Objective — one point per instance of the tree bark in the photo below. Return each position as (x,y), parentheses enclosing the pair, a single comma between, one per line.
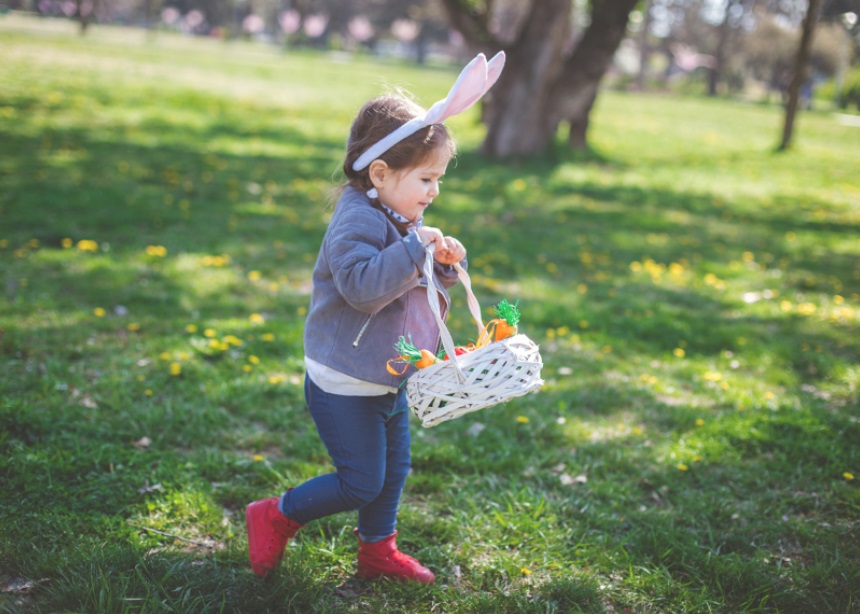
(519,115)
(716,72)
(799,75)
(577,90)
(543,84)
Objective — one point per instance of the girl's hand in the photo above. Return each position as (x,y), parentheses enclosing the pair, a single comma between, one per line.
(448,250)
(452,253)
(430,235)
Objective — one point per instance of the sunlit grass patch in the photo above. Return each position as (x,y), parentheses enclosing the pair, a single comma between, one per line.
(695,297)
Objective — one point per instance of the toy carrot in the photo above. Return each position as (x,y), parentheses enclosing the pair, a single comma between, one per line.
(409,354)
(502,327)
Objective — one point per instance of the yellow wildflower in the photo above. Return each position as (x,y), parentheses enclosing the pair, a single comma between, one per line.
(158,251)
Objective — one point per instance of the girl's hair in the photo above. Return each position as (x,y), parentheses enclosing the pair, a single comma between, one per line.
(380,117)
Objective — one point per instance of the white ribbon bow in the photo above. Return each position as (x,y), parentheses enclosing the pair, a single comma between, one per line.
(475,79)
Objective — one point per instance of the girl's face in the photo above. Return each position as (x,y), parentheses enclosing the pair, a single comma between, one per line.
(410,191)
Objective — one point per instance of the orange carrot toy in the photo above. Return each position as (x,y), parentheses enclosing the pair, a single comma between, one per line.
(502,327)
(409,354)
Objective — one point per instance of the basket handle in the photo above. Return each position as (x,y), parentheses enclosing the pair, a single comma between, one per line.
(433,300)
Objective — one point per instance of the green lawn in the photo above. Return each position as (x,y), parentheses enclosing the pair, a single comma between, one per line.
(696,297)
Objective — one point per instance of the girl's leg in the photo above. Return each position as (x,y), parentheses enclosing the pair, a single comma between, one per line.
(378,519)
(378,555)
(353,430)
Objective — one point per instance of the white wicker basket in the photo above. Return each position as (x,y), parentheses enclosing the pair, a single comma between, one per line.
(478,379)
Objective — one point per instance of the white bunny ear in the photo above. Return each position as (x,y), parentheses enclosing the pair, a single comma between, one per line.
(494,70)
(467,89)
(473,82)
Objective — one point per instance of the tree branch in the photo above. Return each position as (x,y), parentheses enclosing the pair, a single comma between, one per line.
(597,47)
(472,23)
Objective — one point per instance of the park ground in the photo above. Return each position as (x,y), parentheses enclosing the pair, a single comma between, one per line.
(695,294)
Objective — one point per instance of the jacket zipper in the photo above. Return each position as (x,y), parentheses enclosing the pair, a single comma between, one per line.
(361,331)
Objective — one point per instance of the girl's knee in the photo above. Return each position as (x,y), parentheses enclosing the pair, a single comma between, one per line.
(398,472)
(356,495)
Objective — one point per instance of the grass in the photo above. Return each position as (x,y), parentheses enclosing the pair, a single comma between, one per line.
(696,297)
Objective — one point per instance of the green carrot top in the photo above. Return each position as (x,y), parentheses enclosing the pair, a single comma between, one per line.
(509,313)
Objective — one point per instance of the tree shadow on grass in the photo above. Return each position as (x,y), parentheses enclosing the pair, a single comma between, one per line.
(266,212)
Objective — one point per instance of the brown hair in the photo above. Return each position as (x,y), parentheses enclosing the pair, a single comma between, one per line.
(380,117)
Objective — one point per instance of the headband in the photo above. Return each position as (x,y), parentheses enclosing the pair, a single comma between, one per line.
(476,78)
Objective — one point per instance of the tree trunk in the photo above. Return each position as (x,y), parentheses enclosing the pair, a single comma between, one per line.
(574,94)
(577,136)
(85,15)
(799,75)
(541,85)
(716,72)
(518,113)
(644,47)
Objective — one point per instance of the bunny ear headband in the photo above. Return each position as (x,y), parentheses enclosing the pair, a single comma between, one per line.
(477,77)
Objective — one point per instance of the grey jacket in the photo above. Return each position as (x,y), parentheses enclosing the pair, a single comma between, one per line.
(368,290)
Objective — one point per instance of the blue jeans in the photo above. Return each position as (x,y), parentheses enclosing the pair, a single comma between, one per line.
(368,441)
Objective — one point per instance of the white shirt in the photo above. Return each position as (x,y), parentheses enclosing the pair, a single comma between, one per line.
(335,382)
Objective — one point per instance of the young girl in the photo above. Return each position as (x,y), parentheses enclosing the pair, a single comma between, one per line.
(368,290)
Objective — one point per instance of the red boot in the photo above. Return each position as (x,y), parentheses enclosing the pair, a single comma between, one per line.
(383,559)
(268,533)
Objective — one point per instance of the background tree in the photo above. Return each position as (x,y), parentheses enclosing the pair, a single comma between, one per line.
(85,11)
(551,75)
(728,32)
(770,52)
(800,75)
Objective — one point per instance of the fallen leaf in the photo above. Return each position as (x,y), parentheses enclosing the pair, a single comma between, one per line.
(88,401)
(475,429)
(15,584)
(148,489)
(567,480)
(143,442)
